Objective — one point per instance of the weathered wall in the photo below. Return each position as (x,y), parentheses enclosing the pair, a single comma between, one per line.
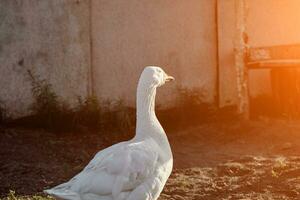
(270,23)
(273,22)
(51,38)
(178,35)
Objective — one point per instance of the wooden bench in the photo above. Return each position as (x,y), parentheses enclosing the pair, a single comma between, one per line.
(284,56)
(283,62)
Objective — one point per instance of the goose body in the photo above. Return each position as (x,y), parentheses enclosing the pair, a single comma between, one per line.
(133,170)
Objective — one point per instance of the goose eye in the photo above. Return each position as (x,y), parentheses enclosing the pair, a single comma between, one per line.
(155,76)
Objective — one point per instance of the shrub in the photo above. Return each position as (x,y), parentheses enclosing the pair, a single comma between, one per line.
(190,109)
(3,113)
(88,113)
(118,117)
(45,99)
(46,106)
(52,114)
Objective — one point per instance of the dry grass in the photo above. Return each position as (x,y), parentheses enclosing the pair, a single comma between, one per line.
(12,196)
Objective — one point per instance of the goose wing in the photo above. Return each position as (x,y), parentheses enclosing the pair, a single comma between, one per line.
(129,165)
(116,170)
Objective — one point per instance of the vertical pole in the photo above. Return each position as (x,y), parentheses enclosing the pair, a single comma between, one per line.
(91,91)
(240,55)
(217,97)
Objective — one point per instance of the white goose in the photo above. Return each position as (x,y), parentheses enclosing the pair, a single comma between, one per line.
(133,170)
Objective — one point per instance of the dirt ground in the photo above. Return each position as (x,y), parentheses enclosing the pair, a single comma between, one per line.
(232,160)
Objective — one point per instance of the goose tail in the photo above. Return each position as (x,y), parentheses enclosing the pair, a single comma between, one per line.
(67,194)
(63,192)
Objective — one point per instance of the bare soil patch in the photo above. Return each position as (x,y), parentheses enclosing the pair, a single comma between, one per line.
(232,160)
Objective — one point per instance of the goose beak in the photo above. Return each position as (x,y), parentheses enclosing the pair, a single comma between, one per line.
(169,78)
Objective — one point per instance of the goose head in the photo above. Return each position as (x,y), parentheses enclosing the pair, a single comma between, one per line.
(155,76)
(147,123)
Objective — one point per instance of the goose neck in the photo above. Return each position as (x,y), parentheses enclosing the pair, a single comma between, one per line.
(146,104)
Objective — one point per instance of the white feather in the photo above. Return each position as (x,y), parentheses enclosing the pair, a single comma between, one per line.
(134,170)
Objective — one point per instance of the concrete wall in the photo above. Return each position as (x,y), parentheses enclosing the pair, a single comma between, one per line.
(51,38)
(273,22)
(270,23)
(178,35)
